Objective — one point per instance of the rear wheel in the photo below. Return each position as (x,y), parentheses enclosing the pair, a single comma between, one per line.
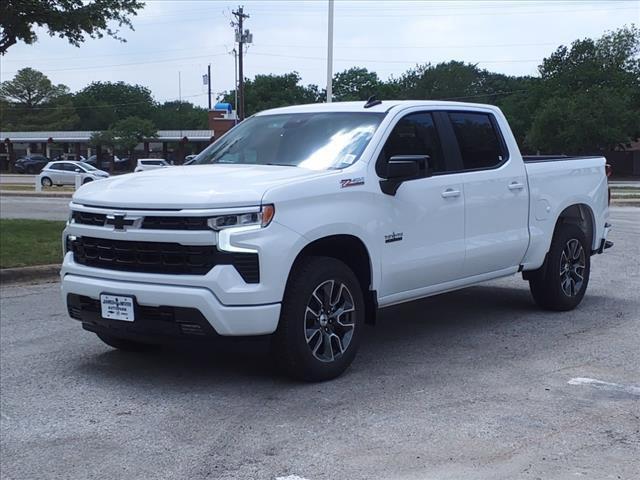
(46,182)
(123,344)
(321,320)
(560,284)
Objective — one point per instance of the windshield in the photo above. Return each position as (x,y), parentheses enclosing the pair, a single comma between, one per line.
(86,166)
(318,141)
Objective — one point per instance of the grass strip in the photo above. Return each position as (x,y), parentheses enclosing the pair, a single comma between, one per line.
(25,243)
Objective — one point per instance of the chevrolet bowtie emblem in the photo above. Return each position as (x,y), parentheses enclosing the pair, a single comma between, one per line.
(119,221)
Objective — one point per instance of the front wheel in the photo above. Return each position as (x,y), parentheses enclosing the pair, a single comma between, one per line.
(87,180)
(321,320)
(560,284)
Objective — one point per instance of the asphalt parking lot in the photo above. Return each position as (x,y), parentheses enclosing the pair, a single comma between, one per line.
(475,384)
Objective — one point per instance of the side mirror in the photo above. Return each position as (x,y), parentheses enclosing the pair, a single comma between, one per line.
(78,170)
(402,168)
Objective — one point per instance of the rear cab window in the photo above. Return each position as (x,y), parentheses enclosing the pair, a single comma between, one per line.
(479,140)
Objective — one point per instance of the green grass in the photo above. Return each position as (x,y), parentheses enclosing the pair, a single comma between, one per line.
(16,187)
(30,242)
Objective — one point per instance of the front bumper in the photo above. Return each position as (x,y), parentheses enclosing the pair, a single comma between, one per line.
(189,306)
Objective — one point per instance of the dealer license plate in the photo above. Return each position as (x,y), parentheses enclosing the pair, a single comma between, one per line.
(117,307)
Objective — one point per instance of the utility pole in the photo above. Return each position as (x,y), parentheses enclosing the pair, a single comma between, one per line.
(209,84)
(330,53)
(242,37)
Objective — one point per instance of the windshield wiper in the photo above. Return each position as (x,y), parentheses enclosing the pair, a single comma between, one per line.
(281,164)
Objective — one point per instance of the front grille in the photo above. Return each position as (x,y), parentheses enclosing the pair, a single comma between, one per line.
(157,257)
(149,223)
(175,223)
(87,218)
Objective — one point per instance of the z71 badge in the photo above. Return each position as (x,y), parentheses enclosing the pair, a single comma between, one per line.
(351,182)
(394,237)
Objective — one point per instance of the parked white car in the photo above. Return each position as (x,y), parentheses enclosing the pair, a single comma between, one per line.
(65,173)
(150,164)
(303,221)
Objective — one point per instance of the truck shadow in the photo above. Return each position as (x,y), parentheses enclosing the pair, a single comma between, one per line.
(479,324)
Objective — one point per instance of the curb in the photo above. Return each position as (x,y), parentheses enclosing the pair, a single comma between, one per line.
(9,193)
(28,274)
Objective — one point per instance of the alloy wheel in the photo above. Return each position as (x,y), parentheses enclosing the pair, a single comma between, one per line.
(329,320)
(572,267)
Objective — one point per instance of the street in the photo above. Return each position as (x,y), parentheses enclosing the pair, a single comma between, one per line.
(44,208)
(474,384)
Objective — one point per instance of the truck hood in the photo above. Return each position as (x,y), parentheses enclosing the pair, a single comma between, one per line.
(197,186)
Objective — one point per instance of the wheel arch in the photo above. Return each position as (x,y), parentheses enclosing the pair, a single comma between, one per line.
(581,215)
(352,251)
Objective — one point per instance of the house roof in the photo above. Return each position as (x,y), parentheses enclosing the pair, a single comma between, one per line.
(83,136)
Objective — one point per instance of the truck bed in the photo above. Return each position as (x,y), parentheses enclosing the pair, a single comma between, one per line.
(553,158)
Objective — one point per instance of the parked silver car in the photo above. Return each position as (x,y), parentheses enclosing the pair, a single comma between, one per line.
(65,173)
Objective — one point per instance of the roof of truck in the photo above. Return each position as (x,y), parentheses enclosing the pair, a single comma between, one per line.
(383,106)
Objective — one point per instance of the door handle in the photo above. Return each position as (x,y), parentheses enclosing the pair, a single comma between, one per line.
(516,186)
(450,192)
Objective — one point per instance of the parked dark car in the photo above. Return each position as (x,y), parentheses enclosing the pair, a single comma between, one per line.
(120,164)
(31,164)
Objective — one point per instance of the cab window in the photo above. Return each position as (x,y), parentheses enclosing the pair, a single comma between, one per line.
(414,134)
(479,143)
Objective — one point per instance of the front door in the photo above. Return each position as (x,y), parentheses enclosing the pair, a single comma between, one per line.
(422,235)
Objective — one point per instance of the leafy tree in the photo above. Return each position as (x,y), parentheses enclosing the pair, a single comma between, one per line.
(101,104)
(31,102)
(271,91)
(130,131)
(591,95)
(355,84)
(180,115)
(70,19)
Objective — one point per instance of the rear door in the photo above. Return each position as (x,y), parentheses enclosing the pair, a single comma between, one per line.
(422,225)
(496,194)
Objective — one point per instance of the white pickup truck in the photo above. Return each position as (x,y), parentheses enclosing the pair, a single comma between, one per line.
(302,222)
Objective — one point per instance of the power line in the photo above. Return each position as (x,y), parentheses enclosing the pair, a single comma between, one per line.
(98,67)
(101,105)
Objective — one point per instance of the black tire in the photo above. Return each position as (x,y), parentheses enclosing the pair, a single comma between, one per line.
(546,284)
(123,344)
(292,350)
(46,182)
(87,180)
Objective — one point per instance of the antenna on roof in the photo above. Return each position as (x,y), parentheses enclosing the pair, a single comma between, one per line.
(372,102)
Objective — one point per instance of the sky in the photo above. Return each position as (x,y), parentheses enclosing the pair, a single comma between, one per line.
(175,40)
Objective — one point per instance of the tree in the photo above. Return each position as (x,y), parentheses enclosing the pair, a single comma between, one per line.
(180,115)
(70,19)
(271,91)
(355,84)
(591,95)
(32,102)
(130,131)
(101,104)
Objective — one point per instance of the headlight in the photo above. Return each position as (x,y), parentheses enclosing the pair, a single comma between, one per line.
(261,218)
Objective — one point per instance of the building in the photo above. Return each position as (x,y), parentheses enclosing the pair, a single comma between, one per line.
(172,145)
